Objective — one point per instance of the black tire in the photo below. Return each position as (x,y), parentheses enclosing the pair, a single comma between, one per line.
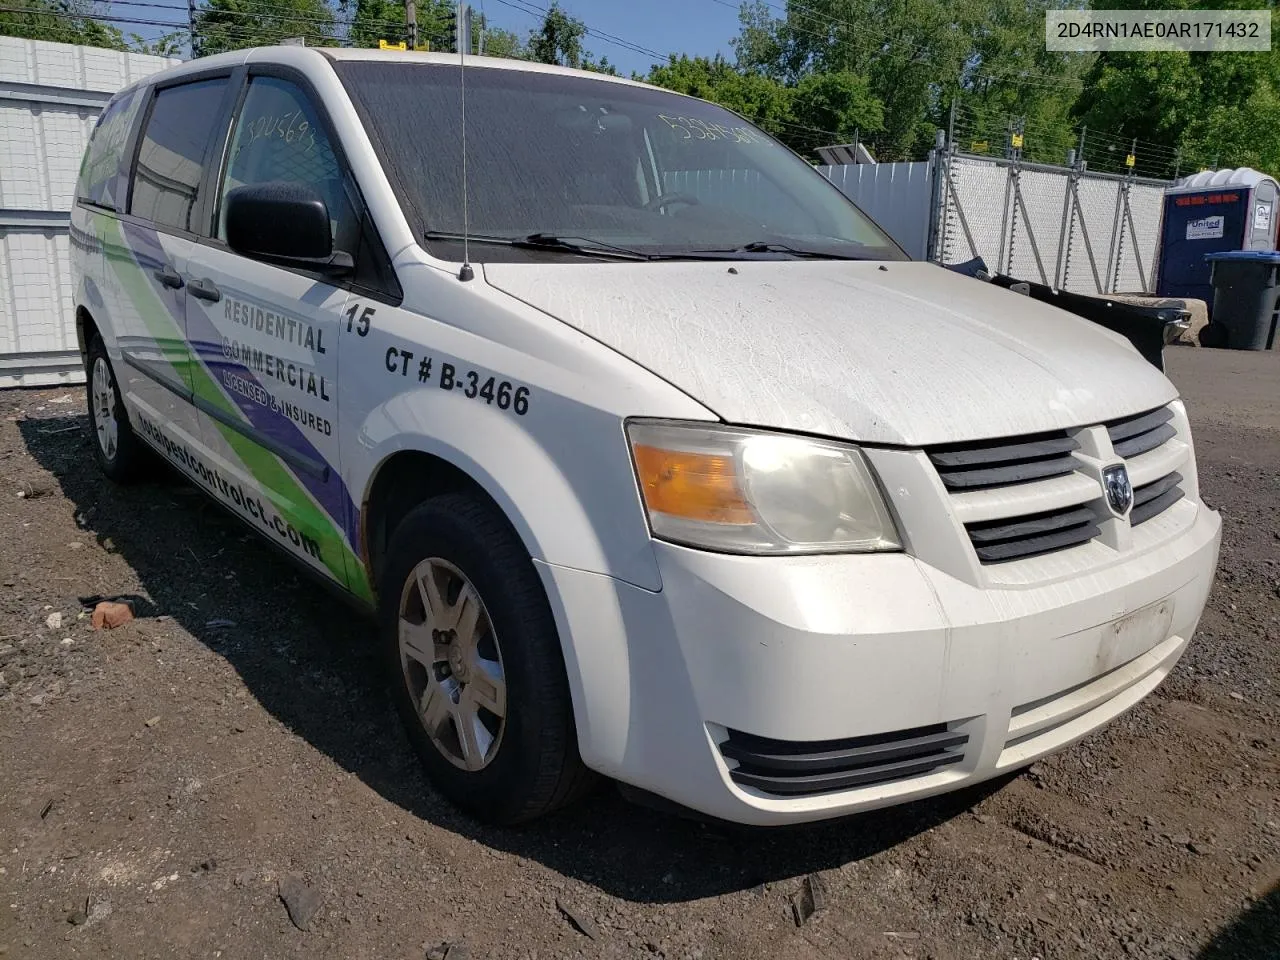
(1213,335)
(129,460)
(536,767)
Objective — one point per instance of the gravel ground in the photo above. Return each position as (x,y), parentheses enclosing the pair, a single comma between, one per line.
(163,782)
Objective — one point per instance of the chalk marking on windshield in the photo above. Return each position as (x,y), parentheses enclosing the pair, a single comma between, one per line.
(691,128)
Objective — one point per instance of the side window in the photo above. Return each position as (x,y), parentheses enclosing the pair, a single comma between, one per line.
(104,162)
(277,137)
(166,180)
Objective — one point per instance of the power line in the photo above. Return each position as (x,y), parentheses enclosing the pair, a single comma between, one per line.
(259,10)
(536,11)
(232,31)
(1148,152)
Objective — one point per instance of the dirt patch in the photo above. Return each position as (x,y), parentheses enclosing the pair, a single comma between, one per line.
(163,782)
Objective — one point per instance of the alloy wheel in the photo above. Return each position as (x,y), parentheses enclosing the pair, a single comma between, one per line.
(452,664)
(104,409)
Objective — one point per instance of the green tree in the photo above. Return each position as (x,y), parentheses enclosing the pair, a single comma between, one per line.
(374,20)
(599,66)
(911,54)
(839,105)
(558,39)
(761,99)
(497,41)
(1212,107)
(503,43)
(168,45)
(1010,74)
(914,58)
(60,21)
(232,24)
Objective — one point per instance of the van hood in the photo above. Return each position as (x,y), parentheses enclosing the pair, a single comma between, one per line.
(897,353)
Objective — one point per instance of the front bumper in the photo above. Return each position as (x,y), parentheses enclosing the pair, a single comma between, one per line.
(829,648)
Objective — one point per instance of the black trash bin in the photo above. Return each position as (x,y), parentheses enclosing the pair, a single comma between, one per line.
(1245,291)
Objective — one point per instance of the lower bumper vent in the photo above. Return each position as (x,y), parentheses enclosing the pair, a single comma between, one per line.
(801,768)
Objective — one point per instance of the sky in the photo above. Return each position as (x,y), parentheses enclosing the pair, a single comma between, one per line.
(696,27)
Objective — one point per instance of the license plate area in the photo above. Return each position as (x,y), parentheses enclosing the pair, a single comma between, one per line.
(1133,634)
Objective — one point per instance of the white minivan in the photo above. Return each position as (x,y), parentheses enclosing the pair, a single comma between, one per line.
(654,456)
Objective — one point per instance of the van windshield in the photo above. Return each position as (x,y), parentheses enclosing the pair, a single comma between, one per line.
(601,164)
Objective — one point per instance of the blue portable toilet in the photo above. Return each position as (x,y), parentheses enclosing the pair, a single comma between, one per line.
(1213,212)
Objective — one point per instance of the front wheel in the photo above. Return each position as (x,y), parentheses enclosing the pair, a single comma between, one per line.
(475,663)
(119,453)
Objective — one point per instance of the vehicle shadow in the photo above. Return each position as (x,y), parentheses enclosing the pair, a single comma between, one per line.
(309,660)
(1253,935)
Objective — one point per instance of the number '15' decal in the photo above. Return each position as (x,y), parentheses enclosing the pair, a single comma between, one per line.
(361,325)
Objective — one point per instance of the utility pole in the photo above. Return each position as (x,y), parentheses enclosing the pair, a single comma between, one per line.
(191,26)
(411,23)
(464,28)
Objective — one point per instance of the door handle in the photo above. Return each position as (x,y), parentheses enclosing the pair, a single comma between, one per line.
(168,277)
(205,290)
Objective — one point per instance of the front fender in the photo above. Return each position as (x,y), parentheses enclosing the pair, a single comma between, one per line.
(562,474)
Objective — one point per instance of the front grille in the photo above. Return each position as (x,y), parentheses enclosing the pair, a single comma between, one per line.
(998,463)
(1012,539)
(1021,497)
(1155,498)
(802,768)
(1134,436)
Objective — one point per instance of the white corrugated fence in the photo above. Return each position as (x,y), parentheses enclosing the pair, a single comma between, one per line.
(50,96)
(894,195)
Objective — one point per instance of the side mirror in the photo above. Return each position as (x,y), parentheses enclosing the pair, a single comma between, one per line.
(284,223)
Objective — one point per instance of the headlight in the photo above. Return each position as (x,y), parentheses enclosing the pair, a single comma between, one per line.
(749,491)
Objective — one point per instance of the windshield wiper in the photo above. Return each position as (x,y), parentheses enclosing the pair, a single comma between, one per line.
(582,246)
(765,246)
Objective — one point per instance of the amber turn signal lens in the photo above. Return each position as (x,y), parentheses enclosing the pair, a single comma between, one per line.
(694,486)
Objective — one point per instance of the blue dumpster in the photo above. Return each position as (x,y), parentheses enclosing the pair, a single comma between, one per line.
(1213,212)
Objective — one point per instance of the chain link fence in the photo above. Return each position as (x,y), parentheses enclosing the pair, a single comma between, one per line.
(1062,226)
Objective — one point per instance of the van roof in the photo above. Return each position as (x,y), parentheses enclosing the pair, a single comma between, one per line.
(452,60)
(287,53)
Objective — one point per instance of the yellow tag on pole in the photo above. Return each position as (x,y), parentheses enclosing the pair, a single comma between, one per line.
(1017,141)
(979,146)
(383,45)
(1130,160)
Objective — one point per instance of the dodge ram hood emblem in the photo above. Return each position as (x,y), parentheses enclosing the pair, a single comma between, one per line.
(1119,490)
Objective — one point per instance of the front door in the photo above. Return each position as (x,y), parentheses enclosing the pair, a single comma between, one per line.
(267,339)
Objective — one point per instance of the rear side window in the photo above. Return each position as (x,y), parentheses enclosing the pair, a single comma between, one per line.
(104,169)
(166,180)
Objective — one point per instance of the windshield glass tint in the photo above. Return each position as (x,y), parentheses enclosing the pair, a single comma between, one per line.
(593,160)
